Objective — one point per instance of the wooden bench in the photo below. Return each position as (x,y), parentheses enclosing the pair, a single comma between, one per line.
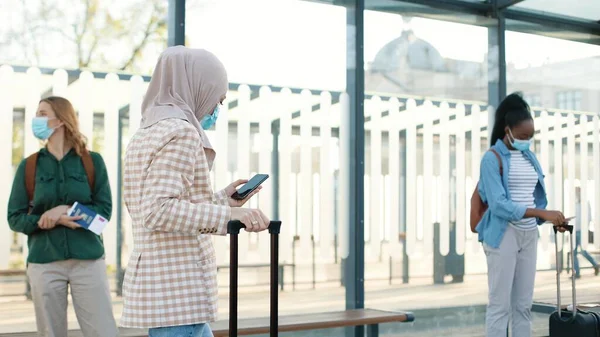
(12,272)
(267,265)
(369,318)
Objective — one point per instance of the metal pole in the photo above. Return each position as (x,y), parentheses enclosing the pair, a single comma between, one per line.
(233,282)
(274,319)
(295,239)
(314,262)
(275,168)
(405,264)
(496,65)
(355,83)
(176,23)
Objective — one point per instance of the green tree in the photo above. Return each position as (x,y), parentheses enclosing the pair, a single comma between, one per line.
(107,34)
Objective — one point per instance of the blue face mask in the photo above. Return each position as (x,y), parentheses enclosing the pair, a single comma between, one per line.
(40,128)
(208,121)
(519,144)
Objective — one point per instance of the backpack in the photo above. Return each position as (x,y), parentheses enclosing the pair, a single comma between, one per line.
(478,207)
(31,165)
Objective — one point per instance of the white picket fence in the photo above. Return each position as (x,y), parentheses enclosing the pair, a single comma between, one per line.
(422,163)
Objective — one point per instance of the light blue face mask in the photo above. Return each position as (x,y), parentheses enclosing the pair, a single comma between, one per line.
(208,121)
(519,144)
(40,128)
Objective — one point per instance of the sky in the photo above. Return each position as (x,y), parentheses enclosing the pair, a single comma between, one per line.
(300,43)
(303,44)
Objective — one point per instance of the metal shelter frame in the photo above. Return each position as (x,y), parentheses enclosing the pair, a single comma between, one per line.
(496,15)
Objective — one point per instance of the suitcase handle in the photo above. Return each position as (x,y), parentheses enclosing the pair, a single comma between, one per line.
(569,228)
(566,226)
(235,226)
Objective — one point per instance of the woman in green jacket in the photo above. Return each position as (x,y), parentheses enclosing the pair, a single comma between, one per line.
(61,253)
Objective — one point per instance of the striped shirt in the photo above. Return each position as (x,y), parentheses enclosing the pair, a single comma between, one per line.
(522,179)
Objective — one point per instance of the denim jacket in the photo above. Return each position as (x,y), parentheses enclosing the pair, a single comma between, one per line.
(494,191)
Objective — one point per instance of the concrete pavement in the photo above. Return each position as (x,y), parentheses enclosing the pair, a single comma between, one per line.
(17,315)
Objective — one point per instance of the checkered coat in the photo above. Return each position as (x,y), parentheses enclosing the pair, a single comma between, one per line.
(171,275)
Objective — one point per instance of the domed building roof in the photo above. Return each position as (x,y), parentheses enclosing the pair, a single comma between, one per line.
(408,50)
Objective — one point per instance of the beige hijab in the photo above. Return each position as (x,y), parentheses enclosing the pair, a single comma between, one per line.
(186,84)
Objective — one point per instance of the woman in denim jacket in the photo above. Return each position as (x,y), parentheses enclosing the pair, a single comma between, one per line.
(517,205)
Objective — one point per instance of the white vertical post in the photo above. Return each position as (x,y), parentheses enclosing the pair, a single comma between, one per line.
(326,180)
(285,171)
(135,106)
(583,178)
(305,215)
(34,77)
(571,157)
(344,176)
(445,180)
(316,212)
(375,200)
(85,107)
(475,161)
(542,125)
(6,167)
(265,197)
(558,164)
(111,158)
(394,172)
(243,149)
(428,177)
(411,177)
(60,81)
(461,173)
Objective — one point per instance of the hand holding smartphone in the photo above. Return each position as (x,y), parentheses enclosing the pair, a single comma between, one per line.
(252,184)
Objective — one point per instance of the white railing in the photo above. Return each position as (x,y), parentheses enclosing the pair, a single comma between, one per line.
(422,162)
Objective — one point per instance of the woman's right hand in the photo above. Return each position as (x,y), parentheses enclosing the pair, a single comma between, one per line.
(254,219)
(69,221)
(556,217)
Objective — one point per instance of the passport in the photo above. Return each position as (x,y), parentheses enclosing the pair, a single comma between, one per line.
(90,220)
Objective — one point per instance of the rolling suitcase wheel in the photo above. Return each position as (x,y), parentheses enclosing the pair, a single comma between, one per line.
(233,228)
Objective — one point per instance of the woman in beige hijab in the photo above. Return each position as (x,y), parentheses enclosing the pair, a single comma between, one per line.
(170,286)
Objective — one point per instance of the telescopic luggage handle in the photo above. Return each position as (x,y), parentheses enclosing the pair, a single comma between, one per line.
(566,226)
(233,228)
(569,228)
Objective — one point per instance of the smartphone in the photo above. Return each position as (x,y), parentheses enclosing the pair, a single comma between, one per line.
(250,186)
(567,220)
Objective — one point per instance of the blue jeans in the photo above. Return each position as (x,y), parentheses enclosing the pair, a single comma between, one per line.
(583,252)
(193,330)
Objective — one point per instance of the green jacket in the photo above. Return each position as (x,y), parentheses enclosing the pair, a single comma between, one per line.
(59,182)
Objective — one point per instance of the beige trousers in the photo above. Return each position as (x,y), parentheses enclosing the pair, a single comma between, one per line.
(90,292)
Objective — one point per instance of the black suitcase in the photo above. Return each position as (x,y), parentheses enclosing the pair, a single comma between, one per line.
(233,228)
(576,323)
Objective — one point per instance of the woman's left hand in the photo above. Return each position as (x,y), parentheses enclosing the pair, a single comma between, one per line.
(232,188)
(49,219)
